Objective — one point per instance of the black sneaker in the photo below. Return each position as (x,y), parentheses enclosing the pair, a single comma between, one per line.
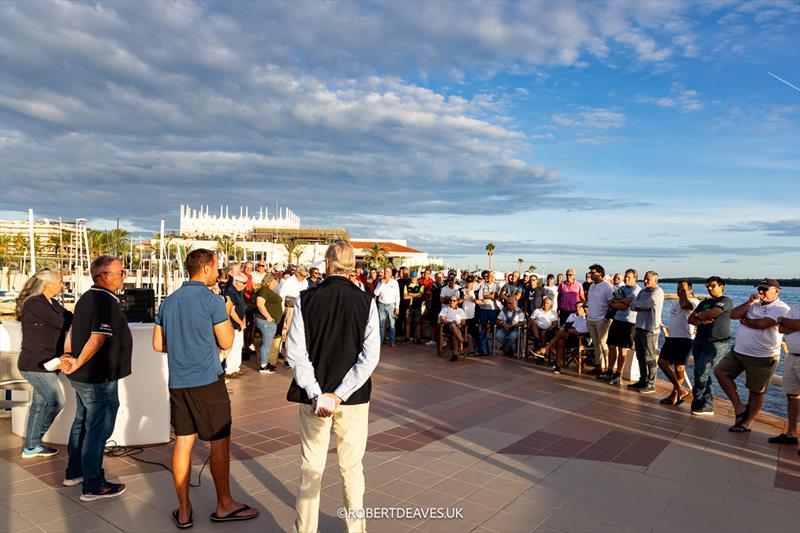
(106,490)
(647,389)
(269,369)
(454,357)
(703,411)
(614,379)
(556,370)
(596,372)
(637,385)
(286,365)
(604,375)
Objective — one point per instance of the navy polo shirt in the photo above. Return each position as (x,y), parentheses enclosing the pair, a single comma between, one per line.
(187,317)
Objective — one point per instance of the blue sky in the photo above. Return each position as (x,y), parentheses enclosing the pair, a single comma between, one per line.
(636,134)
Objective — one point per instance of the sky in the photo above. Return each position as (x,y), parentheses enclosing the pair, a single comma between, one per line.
(655,135)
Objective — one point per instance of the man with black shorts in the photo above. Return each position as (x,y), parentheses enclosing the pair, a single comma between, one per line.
(413,294)
(191,327)
(678,344)
(620,334)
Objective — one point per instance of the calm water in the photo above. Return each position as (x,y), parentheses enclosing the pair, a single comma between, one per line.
(776,399)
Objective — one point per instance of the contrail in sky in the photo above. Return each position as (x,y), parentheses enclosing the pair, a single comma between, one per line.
(784,81)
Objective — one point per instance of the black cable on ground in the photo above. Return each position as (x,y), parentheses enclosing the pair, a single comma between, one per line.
(115,450)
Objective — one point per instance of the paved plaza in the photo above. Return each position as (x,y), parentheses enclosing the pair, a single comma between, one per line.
(514,446)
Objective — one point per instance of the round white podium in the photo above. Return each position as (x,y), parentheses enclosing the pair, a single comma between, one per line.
(143,416)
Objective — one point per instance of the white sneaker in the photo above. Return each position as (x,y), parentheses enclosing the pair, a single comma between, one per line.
(72,482)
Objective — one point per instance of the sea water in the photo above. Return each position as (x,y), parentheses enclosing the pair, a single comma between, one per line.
(775,402)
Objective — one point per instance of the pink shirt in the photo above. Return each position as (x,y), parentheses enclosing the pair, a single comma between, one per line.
(569,296)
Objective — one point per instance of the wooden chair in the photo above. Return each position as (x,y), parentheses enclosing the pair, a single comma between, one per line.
(445,340)
(578,354)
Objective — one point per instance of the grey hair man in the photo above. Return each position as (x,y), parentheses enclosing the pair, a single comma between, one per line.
(648,306)
(333,348)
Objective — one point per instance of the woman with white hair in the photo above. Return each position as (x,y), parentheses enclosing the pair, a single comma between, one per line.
(44,326)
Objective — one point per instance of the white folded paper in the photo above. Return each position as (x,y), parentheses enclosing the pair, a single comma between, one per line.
(325,402)
(52,364)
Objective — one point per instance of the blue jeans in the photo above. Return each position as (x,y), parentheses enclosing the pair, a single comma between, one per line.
(386,313)
(706,354)
(48,401)
(268,330)
(484,316)
(507,339)
(95,415)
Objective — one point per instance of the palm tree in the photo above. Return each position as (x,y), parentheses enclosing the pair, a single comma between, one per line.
(490,252)
(520,262)
(118,241)
(376,256)
(292,246)
(5,247)
(225,245)
(531,268)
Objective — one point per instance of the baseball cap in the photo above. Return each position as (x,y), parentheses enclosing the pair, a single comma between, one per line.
(240,277)
(768,282)
(414,274)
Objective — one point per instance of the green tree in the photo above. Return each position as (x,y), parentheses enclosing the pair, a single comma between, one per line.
(225,245)
(5,248)
(532,268)
(376,256)
(490,252)
(520,262)
(292,247)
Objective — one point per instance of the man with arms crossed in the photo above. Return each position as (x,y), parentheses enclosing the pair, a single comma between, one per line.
(648,306)
(620,334)
(387,292)
(789,325)
(333,348)
(713,320)
(756,351)
(191,327)
(678,343)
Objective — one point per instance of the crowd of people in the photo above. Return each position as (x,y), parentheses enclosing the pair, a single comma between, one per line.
(329,330)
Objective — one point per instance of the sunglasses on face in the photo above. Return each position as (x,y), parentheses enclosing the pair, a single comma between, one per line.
(761,288)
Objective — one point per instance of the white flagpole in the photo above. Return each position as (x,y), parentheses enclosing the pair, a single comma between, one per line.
(160,262)
(30,239)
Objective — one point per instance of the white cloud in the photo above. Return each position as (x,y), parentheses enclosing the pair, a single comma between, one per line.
(686,100)
(592,119)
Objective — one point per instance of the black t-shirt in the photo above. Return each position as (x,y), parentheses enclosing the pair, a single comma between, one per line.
(720,329)
(403,283)
(436,300)
(415,291)
(97,311)
(239,304)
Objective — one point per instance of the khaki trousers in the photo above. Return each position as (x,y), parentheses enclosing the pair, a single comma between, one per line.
(598,331)
(350,423)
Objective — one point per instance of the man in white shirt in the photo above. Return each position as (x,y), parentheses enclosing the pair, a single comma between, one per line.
(756,351)
(453,318)
(789,325)
(509,323)
(487,308)
(258,275)
(387,293)
(568,336)
(544,321)
(451,289)
(601,292)
(289,291)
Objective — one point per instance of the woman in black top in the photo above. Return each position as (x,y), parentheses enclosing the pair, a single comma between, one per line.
(44,326)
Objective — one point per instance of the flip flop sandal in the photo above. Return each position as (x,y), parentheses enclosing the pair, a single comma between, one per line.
(667,401)
(684,398)
(739,429)
(743,415)
(783,438)
(182,525)
(235,516)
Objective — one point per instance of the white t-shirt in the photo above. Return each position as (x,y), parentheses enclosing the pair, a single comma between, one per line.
(761,342)
(292,287)
(578,322)
(793,339)
(517,318)
(257,277)
(679,326)
(552,292)
(447,292)
(453,315)
(545,319)
(388,292)
(488,288)
(599,296)
(469,303)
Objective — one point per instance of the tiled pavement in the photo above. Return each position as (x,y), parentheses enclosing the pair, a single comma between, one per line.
(516,447)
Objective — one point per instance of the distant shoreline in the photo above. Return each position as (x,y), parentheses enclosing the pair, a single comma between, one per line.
(791,282)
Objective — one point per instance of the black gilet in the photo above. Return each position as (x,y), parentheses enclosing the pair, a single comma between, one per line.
(335,316)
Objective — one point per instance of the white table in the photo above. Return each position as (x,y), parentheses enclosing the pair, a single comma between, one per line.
(143,416)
